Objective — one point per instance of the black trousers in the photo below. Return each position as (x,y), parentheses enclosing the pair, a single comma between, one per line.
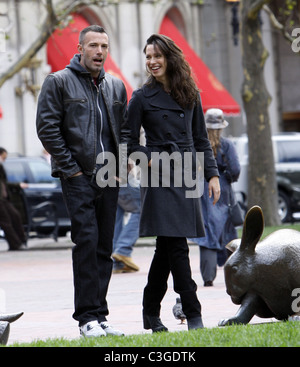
(171,255)
(92,211)
(208,263)
(11,224)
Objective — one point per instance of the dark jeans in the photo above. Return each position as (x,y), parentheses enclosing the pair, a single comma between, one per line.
(11,224)
(92,211)
(171,255)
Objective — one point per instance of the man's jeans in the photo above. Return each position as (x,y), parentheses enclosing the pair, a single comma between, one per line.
(92,211)
(127,234)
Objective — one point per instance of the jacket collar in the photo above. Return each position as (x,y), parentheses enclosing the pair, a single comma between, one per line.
(159,98)
(76,66)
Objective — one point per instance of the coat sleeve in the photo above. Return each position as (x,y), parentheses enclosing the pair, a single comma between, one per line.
(135,121)
(232,166)
(49,121)
(202,143)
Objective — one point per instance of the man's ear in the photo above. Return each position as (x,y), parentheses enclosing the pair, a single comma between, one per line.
(80,48)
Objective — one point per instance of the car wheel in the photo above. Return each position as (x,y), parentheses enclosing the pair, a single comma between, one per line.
(284,208)
(62,232)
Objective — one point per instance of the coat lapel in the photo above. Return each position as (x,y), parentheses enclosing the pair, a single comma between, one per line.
(157,97)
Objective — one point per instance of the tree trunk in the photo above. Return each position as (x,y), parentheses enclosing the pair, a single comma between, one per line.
(262,186)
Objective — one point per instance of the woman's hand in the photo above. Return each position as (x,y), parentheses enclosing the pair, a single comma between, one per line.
(214,189)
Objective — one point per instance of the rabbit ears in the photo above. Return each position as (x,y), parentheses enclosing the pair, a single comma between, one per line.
(233,245)
(252,229)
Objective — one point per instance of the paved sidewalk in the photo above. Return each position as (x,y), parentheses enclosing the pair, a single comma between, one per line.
(39,283)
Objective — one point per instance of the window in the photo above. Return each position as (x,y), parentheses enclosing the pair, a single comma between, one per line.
(288,151)
(15,172)
(41,172)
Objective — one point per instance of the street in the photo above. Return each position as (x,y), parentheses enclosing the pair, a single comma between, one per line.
(38,282)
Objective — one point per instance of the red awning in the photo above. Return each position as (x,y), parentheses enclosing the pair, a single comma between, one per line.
(62,46)
(213,93)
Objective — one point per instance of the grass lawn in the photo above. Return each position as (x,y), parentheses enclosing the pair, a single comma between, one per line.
(277,334)
(268,230)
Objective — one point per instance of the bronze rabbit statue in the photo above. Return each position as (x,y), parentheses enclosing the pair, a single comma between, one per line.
(263,277)
(5,321)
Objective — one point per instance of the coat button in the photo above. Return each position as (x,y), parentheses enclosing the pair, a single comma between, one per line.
(181,115)
(165,117)
(183,133)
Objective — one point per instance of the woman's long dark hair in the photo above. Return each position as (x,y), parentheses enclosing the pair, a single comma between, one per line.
(182,85)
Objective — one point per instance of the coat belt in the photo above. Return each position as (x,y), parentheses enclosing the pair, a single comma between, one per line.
(172,146)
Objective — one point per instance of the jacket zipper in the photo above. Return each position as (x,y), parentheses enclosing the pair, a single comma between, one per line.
(101,130)
(101,120)
(109,117)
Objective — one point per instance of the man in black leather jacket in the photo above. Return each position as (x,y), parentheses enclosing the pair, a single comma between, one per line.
(82,112)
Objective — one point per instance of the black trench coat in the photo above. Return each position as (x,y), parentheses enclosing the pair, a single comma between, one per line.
(167,211)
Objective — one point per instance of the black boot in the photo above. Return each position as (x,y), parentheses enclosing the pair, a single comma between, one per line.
(195,323)
(154,323)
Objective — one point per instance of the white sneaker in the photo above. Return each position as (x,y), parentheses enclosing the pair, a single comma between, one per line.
(109,330)
(92,329)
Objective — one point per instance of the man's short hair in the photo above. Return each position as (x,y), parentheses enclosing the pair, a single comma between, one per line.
(91,28)
(2,150)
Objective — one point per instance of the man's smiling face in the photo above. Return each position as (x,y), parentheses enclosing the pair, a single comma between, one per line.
(94,52)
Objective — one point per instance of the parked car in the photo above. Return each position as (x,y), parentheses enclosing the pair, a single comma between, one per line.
(286,148)
(36,172)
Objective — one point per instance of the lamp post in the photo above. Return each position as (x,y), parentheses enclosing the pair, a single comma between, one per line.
(235,23)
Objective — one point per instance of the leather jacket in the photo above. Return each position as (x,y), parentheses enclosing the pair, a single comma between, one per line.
(67,117)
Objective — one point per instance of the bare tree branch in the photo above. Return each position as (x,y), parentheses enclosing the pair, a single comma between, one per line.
(276,24)
(50,10)
(52,21)
(256,7)
(47,29)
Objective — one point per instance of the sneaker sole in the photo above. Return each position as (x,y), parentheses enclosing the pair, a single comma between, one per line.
(92,336)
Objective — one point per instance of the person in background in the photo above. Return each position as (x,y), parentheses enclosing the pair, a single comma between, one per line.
(10,218)
(218,226)
(168,107)
(127,229)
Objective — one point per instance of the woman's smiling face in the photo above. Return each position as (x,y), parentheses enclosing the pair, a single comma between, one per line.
(156,63)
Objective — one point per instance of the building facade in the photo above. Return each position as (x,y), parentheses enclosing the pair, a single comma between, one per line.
(205,25)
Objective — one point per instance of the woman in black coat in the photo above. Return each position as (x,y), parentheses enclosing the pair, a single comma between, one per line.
(169,109)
